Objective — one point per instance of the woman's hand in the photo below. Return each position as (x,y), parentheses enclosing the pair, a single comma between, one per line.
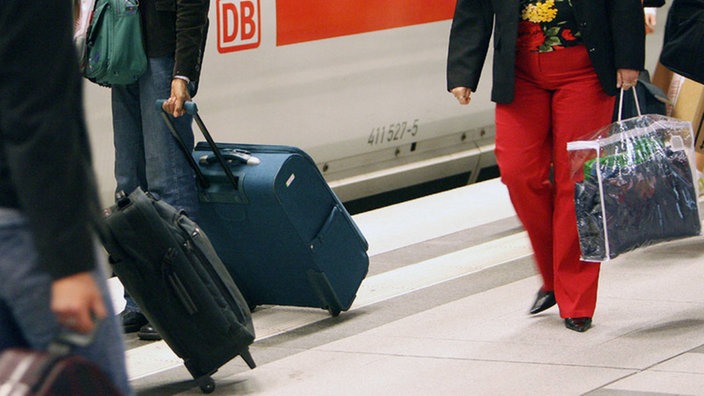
(463,95)
(626,78)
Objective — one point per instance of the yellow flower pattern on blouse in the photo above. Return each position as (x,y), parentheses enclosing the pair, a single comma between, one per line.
(540,12)
(547,25)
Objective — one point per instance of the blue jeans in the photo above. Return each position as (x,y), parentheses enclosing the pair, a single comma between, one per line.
(26,319)
(146,154)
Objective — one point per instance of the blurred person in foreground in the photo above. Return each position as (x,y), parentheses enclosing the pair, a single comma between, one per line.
(51,279)
(557,65)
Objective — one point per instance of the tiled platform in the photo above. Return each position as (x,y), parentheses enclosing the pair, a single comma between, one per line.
(444,312)
(647,339)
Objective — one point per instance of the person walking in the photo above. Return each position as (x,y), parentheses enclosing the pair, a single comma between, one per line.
(146,154)
(557,65)
(50,273)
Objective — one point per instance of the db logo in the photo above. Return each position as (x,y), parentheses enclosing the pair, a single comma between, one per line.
(238,25)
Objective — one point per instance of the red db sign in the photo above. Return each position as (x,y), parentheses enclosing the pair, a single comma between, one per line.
(238,25)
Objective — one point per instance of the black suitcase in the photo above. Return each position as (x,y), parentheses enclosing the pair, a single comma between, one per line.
(280,230)
(168,265)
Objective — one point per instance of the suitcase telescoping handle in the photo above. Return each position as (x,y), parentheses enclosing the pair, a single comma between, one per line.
(68,340)
(192,109)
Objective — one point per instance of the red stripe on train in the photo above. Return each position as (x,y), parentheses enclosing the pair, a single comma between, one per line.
(299,21)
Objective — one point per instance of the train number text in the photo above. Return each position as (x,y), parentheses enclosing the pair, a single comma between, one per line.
(393,132)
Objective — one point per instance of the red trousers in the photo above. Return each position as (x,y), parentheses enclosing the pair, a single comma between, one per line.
(558,98)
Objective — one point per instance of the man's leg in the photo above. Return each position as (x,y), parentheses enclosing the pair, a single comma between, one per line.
(169,174)
(128,138)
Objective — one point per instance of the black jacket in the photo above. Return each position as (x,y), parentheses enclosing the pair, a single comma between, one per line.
(683,45)
(45,165)
(176,27)
(613,32)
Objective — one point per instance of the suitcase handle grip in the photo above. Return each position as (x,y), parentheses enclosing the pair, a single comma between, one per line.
(190,106)
(192,109)
(67,340)
(240,156)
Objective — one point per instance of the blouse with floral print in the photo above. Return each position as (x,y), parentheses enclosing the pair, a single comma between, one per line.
(547,26)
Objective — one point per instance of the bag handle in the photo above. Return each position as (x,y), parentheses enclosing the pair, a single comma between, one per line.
(599,176)
(620,101)
(192,109)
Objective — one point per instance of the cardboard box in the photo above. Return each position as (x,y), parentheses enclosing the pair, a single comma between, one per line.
(688,99)
(689,106)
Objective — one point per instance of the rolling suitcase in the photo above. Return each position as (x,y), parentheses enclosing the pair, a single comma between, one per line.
(280,230)
(169,267)
(53,372)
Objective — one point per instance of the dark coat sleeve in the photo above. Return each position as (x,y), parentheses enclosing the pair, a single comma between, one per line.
(191,31)
(470,35)
(44,141)
(628,27)
(614,34)
(178,28)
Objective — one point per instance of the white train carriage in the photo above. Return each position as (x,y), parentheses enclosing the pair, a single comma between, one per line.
(358,85)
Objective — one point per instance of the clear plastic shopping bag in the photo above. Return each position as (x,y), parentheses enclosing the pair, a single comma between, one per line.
(635,185)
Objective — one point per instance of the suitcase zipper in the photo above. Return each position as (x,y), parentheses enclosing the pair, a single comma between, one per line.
(176,285)
(213,275)
(224,291)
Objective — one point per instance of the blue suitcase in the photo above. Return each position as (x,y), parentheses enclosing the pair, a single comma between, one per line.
(283,234)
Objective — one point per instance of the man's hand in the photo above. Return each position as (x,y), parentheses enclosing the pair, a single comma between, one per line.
(77,303)
(651,17)
(462,94)
(650,21)
(179,95)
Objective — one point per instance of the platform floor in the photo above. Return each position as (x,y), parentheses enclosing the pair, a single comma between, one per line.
(444,312)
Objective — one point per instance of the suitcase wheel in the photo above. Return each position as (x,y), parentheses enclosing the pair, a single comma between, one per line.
(206,384)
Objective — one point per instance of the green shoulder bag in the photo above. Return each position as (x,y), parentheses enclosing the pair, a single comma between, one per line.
(115,50)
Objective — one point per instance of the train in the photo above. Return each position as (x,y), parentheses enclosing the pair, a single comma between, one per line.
(360,86)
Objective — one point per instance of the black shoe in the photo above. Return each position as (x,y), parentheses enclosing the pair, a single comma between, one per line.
(132,321)
(578,324)
(148,333)
(544,301)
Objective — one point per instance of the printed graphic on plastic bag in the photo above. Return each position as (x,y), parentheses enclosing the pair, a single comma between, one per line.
(634,185)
